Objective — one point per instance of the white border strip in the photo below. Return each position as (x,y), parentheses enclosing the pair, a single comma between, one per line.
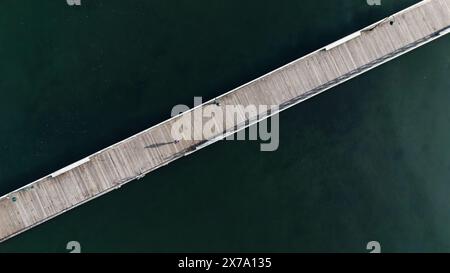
(70,167)
(343,40)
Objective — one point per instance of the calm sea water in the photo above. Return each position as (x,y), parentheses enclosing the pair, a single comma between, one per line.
(368,160)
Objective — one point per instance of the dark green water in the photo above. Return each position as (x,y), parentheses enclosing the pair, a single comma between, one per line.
(368,160)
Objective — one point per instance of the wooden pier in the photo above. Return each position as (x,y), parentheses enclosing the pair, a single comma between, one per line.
(299,80)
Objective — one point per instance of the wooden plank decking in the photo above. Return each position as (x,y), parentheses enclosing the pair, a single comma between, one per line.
(299,80)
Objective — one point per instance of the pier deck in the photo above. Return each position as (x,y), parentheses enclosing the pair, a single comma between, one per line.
(146,151)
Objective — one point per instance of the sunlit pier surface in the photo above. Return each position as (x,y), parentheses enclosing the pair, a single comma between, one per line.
(299,80)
